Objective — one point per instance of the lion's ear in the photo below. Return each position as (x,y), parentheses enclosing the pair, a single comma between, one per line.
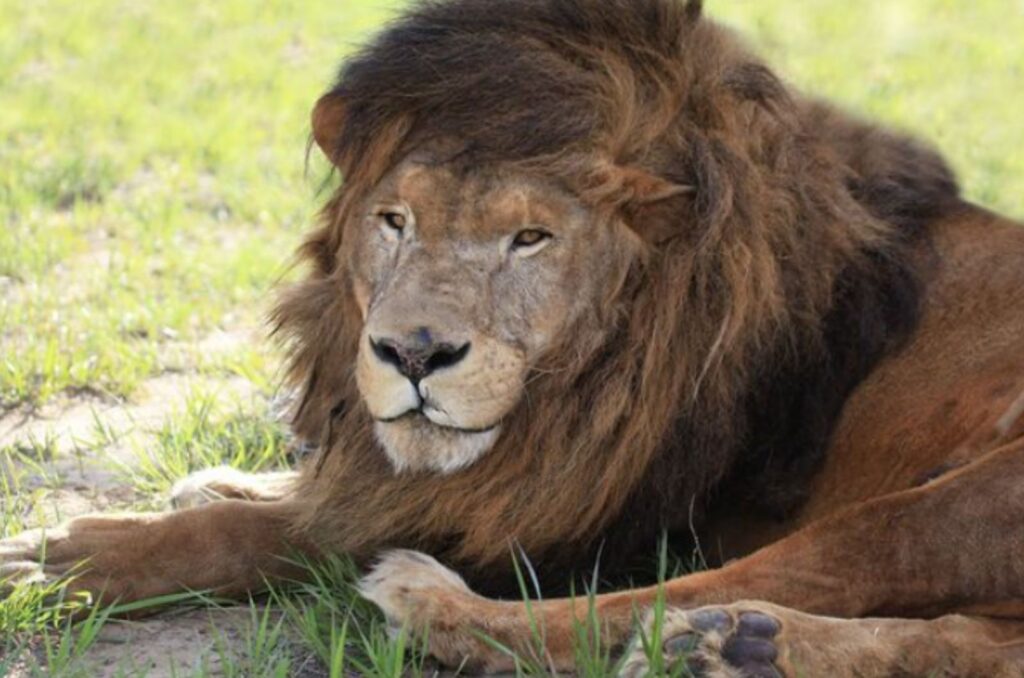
(645,201)
(645,188)
(328,119)
(628,186)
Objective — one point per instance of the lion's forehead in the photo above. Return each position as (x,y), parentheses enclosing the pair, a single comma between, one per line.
(484,203)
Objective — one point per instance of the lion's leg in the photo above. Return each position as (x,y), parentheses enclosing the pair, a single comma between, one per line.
(763,640)
(224,482)
(954,544)
(228,547)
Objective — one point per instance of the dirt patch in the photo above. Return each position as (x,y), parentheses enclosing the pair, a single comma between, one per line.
(68,451)
(79,441)
(70,423)
(178,643)
(182,642)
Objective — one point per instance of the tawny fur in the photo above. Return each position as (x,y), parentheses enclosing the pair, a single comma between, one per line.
(803,331)
(783,196)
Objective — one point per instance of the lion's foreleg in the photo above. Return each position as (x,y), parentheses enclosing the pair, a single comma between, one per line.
(228,547)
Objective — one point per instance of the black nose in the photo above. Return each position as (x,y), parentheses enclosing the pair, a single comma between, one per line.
(416,359)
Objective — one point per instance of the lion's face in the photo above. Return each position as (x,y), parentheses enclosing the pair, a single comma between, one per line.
(464,279)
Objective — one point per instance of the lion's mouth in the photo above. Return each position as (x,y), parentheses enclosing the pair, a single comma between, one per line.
(422,414)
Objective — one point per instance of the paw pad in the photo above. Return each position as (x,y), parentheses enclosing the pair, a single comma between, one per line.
(716,642)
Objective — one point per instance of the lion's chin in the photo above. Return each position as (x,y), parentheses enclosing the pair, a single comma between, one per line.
(417,444)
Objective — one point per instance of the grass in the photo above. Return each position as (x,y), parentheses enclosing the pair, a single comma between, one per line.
(151,177)
(153,180)
(200,438)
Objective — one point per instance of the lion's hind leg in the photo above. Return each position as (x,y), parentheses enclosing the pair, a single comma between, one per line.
(224,482)
(735,640)
(761,640)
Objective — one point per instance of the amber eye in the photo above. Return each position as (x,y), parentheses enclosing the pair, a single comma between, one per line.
(395,220)
(528,238)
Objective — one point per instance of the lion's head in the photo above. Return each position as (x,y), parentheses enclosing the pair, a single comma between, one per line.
(589,258)
(466,277)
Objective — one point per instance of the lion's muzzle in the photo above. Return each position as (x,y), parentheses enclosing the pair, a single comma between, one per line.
(418,356)
(437,396)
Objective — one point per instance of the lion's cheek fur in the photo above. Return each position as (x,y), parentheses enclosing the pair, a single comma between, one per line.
(481,391)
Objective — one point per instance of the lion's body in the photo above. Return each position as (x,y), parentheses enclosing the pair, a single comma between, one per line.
(786,319)
(748,319)
(936,404)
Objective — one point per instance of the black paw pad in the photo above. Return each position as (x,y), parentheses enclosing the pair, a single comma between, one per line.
(751,649)
(757,625)
(711,620)
(678,648)
(684,643)
(742,651)
(748,643)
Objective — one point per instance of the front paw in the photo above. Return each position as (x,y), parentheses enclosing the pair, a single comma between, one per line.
(208,485)
(31,557)
(411,588)
(224,482)
(19,561)
(419,594)
(90,554)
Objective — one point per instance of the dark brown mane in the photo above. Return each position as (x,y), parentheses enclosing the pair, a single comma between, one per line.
(760,302)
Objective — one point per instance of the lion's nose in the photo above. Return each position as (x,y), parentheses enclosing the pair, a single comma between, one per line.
(416,358)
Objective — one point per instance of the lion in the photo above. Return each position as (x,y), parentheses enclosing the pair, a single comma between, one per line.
(597,275)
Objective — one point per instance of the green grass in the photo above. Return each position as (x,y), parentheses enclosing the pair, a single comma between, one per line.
(151,176)
(948,71)
(151,153)
(200,438)
(153,182)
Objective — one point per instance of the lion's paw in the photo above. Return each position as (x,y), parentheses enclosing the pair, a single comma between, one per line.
(224,482)
(422,596)
(89,555)
(208,485)
(731,641)
(22,561)
(408,586)
(46,558)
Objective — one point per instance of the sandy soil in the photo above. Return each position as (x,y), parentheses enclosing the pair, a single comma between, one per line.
(78,478)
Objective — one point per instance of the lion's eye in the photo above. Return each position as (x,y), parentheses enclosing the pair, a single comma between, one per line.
(394,220)
(529,239)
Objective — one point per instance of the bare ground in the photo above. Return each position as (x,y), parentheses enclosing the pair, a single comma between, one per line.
(77,475)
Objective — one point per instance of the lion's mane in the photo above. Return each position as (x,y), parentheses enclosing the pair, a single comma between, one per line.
(760,302)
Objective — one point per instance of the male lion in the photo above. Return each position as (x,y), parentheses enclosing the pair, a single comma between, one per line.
(596,274)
